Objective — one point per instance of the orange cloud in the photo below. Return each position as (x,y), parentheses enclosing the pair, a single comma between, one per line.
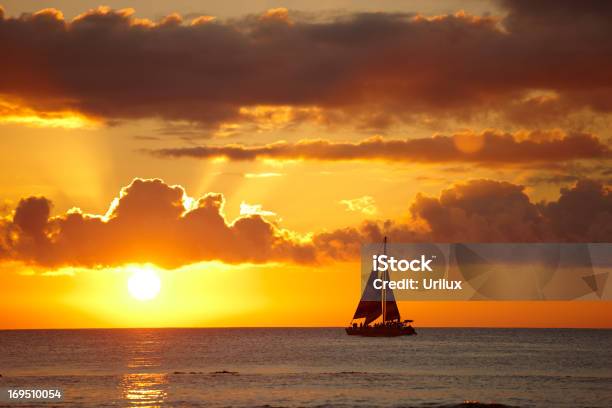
(14,113)
(152,222)
(149,222)
(365,205)
(491,148)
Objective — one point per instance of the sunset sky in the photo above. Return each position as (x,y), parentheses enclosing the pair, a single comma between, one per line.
(242,151)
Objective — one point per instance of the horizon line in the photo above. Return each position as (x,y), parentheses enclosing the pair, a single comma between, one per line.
(295,327)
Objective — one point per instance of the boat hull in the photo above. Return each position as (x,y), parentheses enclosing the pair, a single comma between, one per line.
(380,331)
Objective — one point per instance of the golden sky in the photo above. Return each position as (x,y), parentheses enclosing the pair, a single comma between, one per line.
(242,151)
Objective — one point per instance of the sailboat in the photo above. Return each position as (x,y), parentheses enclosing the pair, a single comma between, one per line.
(376,304)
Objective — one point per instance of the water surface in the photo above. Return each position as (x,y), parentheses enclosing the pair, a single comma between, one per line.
(312,367)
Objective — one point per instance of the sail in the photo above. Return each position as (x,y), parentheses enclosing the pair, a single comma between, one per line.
(369,309)
(391,310)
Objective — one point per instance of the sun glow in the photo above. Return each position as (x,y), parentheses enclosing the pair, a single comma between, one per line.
(144,284)
(15,113)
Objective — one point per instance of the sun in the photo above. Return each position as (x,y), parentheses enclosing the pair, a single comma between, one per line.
(144,284)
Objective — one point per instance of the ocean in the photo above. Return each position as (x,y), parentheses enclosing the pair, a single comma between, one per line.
(310,367)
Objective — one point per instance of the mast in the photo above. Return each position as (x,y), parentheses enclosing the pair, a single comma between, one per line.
(383,296)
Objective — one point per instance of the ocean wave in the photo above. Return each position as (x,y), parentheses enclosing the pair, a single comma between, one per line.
(464,404)
(473,404)
(220,372)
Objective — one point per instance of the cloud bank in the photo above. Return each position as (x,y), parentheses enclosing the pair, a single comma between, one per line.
(489,148)
(150,221)
(540,62)
(486,211)
(154,222)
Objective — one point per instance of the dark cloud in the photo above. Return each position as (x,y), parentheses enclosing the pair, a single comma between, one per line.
(553,57)
(482,211)
(488,148)
(487,211)
(582,211)
(491,211)
(27,234)
(31,216)
(149,222)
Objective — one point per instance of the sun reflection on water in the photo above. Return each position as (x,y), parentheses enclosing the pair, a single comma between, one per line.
(144,390)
